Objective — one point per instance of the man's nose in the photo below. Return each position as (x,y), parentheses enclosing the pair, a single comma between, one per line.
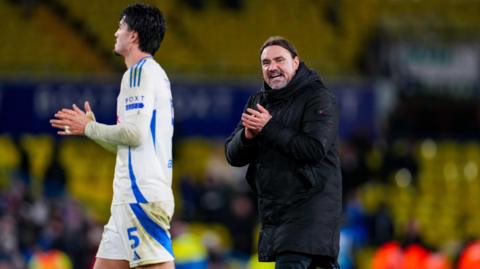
(272,66)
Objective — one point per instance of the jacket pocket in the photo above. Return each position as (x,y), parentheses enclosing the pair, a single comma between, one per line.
(312,176)
(269,211)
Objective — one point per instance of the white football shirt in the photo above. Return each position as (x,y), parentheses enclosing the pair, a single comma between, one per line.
(144,173)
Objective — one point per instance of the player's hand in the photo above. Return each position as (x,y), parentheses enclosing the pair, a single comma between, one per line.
(254,121)
(88,111)
(71,121)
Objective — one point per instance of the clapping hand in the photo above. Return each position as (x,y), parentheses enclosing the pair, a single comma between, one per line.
(254,121)
(72,121)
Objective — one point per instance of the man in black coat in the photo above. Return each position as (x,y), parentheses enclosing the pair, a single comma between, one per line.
(288,135)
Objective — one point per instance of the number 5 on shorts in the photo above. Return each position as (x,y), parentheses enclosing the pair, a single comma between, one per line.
(132,236)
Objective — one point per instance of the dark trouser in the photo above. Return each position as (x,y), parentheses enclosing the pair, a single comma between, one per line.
(291,260)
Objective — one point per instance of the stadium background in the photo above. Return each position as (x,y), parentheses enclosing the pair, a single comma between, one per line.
(405,72)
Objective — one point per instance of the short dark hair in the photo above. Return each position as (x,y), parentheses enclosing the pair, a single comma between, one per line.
(282,42)
(149,22)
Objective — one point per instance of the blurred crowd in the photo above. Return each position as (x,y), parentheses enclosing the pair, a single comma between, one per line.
(215,223)
(44,229)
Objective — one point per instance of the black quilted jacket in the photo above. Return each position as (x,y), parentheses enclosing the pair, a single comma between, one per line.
(294,168)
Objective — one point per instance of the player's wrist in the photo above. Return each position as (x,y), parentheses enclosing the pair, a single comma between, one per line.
(88,130)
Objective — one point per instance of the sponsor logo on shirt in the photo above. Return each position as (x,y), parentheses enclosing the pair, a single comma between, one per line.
(134,102)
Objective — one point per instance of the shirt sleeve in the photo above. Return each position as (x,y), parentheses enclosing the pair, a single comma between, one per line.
(108,146)
(139,105)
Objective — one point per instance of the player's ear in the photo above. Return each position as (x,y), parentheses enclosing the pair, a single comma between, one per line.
(134,37)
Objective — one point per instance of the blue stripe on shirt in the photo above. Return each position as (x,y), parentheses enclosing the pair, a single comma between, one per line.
(131,72)
(136,191)
(137,68)
(153,124)
(135,75)
(140,71)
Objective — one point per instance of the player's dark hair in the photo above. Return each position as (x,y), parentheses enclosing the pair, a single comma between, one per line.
(282,42)
(149,22)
